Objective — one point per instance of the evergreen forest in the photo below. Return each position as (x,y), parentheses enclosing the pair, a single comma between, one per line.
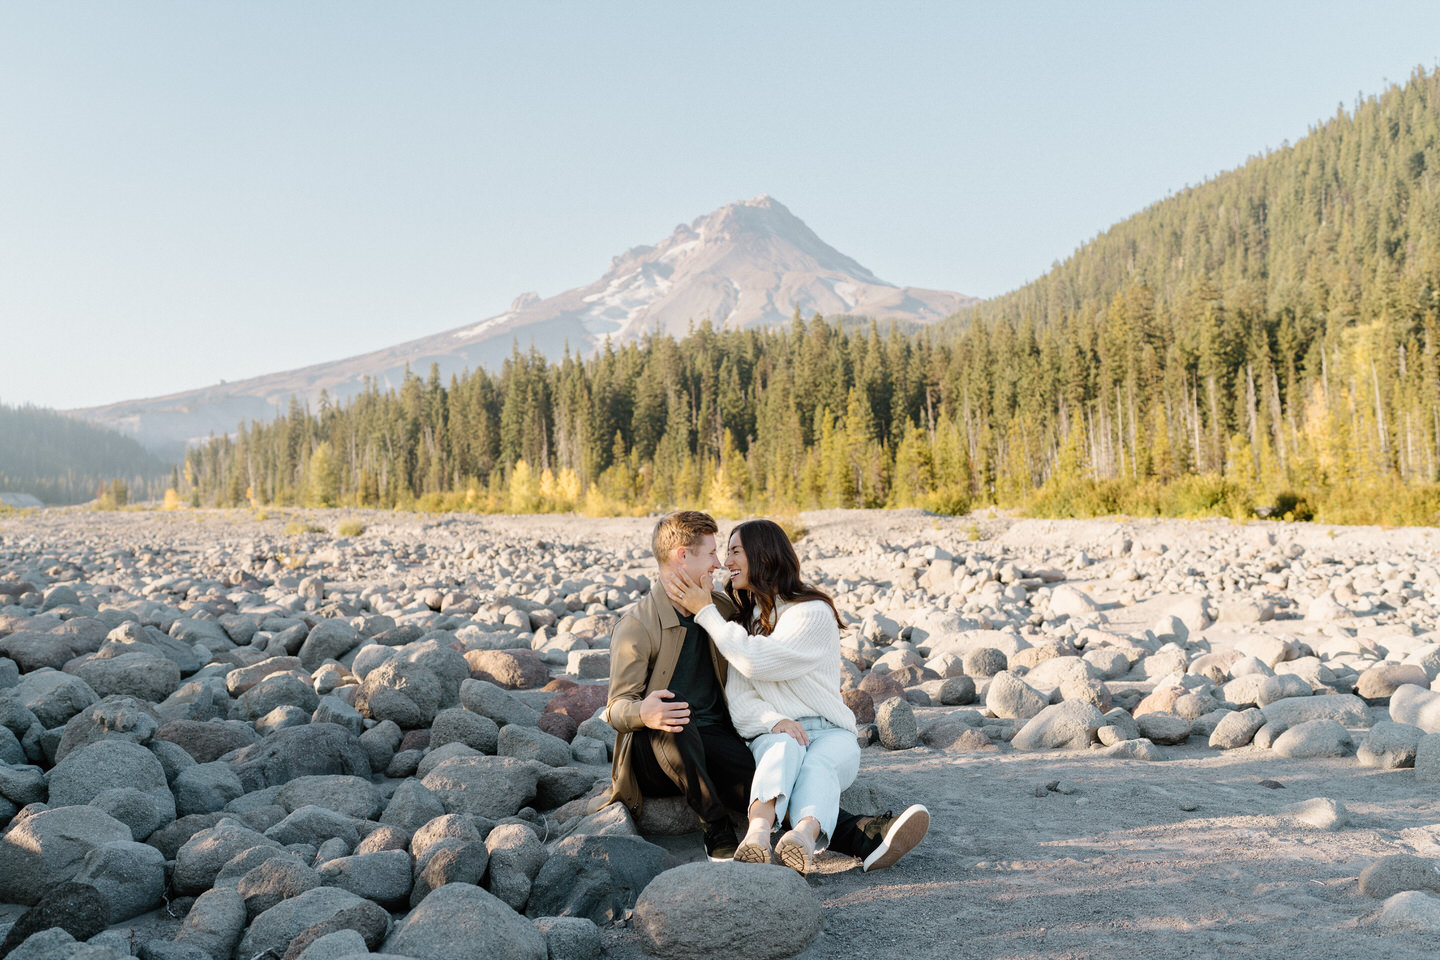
(1267,342)
(62,460)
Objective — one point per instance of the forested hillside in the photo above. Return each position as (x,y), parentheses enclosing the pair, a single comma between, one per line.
(64,460)
(1267,340)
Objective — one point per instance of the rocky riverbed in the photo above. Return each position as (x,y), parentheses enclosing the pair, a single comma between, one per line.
(230,737)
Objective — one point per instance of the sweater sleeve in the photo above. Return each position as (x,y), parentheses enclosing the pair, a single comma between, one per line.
(750,713)
(805,637)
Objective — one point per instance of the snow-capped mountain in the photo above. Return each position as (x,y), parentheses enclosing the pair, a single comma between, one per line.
(745,264)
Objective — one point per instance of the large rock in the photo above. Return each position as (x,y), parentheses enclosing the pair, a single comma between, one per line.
(458,725)
(1379,683)
(52,696)
(205,788)
(1314,738)
(76,908)
(1389,745)
(314,749)
(516,856)
(130,876)
(1165,729)
(270,881)
(50,847)
(114,718)
(201,857)
(383,877)
(140,675)
(895,720)
(1010,697)
(488,700)
(1237,728)
(282,923)
(1416,706)
(511,669)
(107,765)
(1401,871)
(1069,725)
(207,740)
(404,692)
(598,877)
(727,911)
(495,787)
(353,796)
(1343,708)
(215,922)
(460,921)
(528,743)
(328,640)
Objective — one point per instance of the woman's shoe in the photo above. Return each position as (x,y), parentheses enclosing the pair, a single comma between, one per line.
(797,851)
(755,848)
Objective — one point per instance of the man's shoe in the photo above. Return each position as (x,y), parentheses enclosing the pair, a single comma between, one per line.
(720,841)
(895,836)
(797,851)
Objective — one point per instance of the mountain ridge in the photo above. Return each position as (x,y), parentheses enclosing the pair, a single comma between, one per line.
(748,263)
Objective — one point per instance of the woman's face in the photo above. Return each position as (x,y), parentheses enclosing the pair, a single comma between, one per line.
(737,564)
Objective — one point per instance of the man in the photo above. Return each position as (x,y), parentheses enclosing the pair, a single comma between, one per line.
(667,702)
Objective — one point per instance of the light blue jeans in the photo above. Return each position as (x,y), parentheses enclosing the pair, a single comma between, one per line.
(805,781)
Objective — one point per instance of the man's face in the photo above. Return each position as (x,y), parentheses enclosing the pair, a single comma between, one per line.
(699,559)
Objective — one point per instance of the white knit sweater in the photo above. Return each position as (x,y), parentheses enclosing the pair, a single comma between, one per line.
(792,673)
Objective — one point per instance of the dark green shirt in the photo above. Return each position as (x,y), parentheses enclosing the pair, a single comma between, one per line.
(694,680)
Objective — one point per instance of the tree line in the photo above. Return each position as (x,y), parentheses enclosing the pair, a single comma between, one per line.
(1266,341)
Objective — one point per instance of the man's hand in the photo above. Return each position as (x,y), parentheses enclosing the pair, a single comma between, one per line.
(659,712)
(793,728)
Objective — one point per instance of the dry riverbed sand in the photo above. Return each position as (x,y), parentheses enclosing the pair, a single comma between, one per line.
(1086,851)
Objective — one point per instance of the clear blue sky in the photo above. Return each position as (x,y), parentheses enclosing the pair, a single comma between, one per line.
(192,191)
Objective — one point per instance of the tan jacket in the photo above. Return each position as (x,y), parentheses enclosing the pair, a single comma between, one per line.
(644,648)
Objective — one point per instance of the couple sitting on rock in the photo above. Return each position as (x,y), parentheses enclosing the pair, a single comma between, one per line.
(697,672)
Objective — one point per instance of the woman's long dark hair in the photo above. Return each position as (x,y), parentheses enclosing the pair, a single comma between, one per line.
(774,574)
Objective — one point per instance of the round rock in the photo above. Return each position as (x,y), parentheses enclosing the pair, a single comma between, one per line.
(703,911)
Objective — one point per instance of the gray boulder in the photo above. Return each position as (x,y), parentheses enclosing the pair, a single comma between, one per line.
(1416,706)
(1164,729)
(598,877)
(1389,745)
(488,700)
(199,860)
(274,880)
(1010,697)
(274,692)
(53,697)
(47,848)
(570,938)
(205,788)
(277,927)
(207,740)
(383,877)
(727,911)
(895,719)
(460,921)
(1314,738)
(328,640)
(215,923)
(495,787)
(516,856)
(314,749)
(1237,728)
(1342,708)
(528,743)
(401,691)
(445,862)
(1069,725)
(1399,872)
(353,796)
(314,825)
(412,806)
(109,764)
(142,675)
(130,876)
(114,718)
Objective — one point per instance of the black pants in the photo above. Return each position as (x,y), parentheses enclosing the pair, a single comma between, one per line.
(716,769)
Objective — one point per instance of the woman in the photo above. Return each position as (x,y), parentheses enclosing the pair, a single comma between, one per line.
(784,691)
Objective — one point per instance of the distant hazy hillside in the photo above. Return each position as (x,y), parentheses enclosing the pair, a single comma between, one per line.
(64,460)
